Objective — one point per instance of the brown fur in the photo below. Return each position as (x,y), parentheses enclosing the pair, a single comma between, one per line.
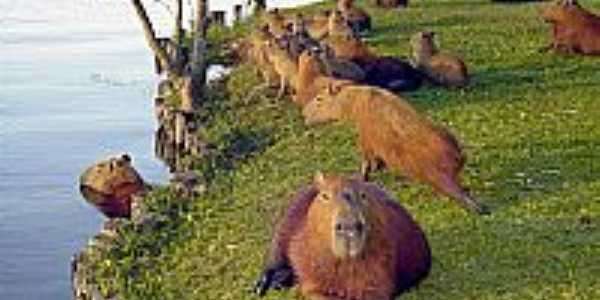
(350,48)
(311,78)
(357,17)
(392,132)
(390,3)
(441,68)
(284,65)
(574,29)
(110,184)
(318,25)
(276,22)
(259,58)
(396,255)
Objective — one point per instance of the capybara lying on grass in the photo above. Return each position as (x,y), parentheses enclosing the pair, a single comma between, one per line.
(574,29)
(343,238)
(311,77)
(383,71)
(441,68)
(393,133)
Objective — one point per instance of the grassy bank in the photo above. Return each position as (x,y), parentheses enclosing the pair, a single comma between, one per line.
(529,123)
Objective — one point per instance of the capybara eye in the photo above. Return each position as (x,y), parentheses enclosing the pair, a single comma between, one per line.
(325,196)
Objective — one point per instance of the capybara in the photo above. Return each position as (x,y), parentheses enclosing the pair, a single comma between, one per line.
(284,65)
(338,25)
(574,29)
(343,238)
(383,71)
(393,134)
(390,3)
(298,39)
(110,184)
(441,68)
(338,67)
(358,18)
(258,56)
(276,22)
(311,77)
(318,25)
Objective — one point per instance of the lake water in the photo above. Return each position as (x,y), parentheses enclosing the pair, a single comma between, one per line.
(76,85)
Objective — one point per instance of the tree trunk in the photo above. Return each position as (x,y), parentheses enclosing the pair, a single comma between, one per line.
(179,22)
(198,66)
(159,52)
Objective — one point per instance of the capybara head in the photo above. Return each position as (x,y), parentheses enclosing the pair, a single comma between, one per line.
(324,107)
(342,208)
(423,45)
(558,11)
(309,62)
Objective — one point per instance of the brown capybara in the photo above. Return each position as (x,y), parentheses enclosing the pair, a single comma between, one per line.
(390,3)
(318,24)
(337,25)
(110,184)
(276,22)
(358,18)
(574,29)
(258,56)
(392,133)
(344,238)
(284,65)
(441,68)
(312,77)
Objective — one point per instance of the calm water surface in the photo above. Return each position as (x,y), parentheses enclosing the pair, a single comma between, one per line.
(76,85)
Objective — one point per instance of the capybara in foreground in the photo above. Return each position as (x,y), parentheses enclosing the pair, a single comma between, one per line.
(344,238)
(393,133)
(441,68)
(574,29)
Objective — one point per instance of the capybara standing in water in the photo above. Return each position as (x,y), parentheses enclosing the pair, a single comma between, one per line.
(393,133)
(574,29)
(441,68)
(344,238)
(390,3)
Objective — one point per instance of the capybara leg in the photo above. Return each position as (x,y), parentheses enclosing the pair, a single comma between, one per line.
(365,169)
(279,275)
(281,88)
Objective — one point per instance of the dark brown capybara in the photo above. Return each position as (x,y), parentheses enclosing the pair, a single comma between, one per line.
(344,238)
(393,133)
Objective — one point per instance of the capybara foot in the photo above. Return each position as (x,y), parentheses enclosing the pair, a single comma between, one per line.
(276,277)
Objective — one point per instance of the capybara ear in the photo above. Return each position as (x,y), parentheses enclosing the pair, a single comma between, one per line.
(319,179)
(333,89)
(126,158)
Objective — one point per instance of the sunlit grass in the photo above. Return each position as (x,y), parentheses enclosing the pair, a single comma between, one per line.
(529,124)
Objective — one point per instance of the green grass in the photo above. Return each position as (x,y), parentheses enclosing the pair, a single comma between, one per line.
(529,123)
